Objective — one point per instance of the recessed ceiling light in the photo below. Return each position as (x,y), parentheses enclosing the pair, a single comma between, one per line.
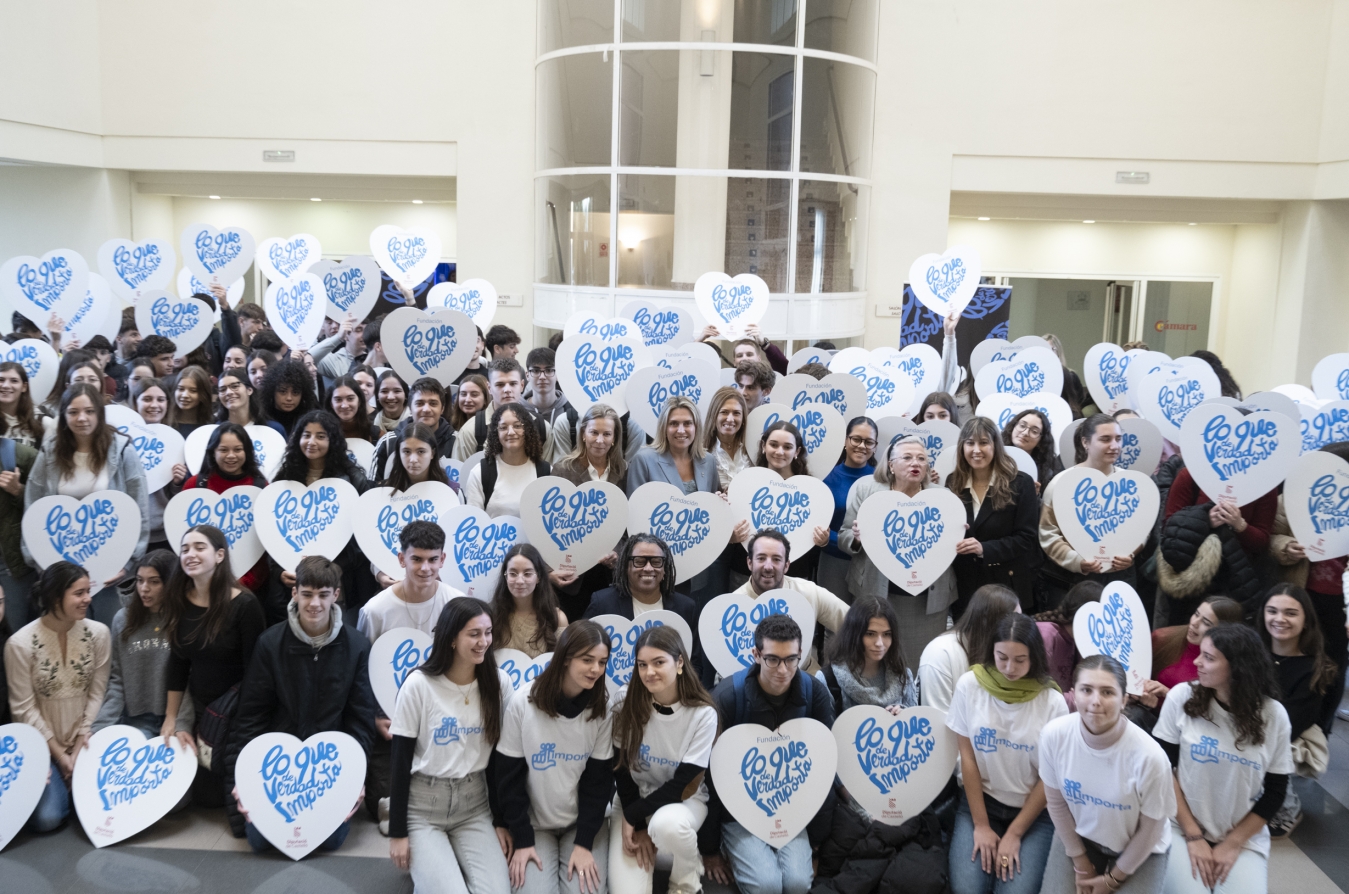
(213,197)
(1089,221)
(316,200)
(985,218)
(416,201)
(1194,224)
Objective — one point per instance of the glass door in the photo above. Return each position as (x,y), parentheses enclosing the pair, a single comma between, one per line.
(1176,316)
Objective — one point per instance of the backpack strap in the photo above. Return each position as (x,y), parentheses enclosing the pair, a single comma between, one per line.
(480,427)
(542,469)
(738,684)
(489,478)
(8,455)
(572,418)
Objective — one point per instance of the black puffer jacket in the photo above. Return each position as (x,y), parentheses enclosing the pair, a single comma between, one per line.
(862,856)
(1195,559)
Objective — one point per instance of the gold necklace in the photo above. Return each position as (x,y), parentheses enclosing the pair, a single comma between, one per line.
(460,689)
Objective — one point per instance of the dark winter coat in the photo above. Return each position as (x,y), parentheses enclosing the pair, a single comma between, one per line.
(862,856)
(1196,559)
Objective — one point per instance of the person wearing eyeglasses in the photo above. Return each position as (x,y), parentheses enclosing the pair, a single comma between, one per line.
(770,693)
(239,402)
(857,460)
(542,394)
(512,459)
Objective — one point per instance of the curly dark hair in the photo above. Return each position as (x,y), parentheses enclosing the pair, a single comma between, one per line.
(624,563)
(1044,451)
(290,374)
(533,443)
(336,464)
(1252,680)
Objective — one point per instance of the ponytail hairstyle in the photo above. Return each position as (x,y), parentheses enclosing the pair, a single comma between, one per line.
(632,716)
(1085,432)
(1019,628)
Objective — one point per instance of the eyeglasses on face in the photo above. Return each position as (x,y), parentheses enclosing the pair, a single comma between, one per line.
(542,371)
(656,562)
(861,442)
(773,662)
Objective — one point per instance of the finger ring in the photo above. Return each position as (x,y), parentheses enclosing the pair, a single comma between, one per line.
(1004,861)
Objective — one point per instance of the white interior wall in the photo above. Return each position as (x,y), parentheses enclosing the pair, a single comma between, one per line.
(42,208)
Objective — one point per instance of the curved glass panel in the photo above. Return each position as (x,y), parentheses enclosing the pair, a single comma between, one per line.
(574,23)
(762,87)
(571,239)
(843,26)
(837,100)
(575,110)
(831,236)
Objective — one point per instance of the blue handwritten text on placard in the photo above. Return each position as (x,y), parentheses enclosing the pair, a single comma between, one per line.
(786,512)
(406,251)
(1113,379)
(891,755)
(1102,510)
(11,763)
(834,397)
(295,784)
(600,372)
(686,385)
(1112,631)
(391,521)
(216,251)
(569,519)
(812,428)
(1023,380)
(429,344)
(149,448)
(732,300)
(880,389)
(294,302)
(1233,450)
(78,536)
(623,650)
(124,775)
(232,514)
(27,357)
(303,519)
(737,626)
(406,658)
(771,778)
(910,536)
(1328,425)
(1328,505)
(344,286)
(945,280)
(173,318)
(657,328)
(136,264)
(45,283)
(287,257)
(1176,401)
(478,550)
(681,529)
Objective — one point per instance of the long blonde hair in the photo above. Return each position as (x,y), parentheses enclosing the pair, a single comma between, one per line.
(614,459)
(662,445)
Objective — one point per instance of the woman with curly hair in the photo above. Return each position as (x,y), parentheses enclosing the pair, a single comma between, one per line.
(288,394)
(512,459)
(1228,738)
(1030,430)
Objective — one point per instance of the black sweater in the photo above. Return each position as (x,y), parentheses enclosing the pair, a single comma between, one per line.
(209,671)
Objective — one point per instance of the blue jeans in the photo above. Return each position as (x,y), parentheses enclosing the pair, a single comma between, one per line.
(968,877)
(759,869)
(261,845)
(54,805)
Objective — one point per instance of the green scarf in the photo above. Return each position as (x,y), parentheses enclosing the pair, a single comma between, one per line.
(1013,692)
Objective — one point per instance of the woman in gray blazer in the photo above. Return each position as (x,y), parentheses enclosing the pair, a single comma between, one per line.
(678,456)
(905,468)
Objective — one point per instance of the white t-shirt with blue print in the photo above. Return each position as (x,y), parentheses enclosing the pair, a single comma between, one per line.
(1222,782)
(449,733)
(1005,737)
(684,736)
(556,749)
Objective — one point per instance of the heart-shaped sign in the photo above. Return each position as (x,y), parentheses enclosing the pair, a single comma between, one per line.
(592,370)
(135,267)
(731,303)
(606,328)
(809,355)
(912,540)
(419,343)
(397,653)
(695,526)
(945,283)
(1032,371)
(39,362)
(1324,424)
(922,364)
(623,634)
(476,547)
(727,622)
(670,356)
(991,350)
(573,527)
(650,387)
(298,793)
(1002,408)
(98,314)
(474,298)
(1299,394)
(1141,363)
(1102,517)
(1024,461)
(521,669)
(299,521)
(382,513)
(216,257)
(159,446)
(822,429)
(189,285)
(1105,370)
(660,326)
(39,287)
(936,434)
(295,309)
(1141,449)
(98,533)
(408,256)
(362,453)
(125,783)
(1168,395)
(792,506)
(351,286)
(1117,626)
(1272,400)
(232,512)
(1316,498)
(846,359)
(1330,377)
(889,392)
(24,762)
(774,783)
(844,393)
(282,257)
(184,321)
(894,765)
(269,447)
(1235,456)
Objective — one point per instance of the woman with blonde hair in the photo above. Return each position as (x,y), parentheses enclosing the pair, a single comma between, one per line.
(597,456)
(678,456)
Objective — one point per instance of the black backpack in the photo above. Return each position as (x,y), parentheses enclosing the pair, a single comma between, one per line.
(489,475)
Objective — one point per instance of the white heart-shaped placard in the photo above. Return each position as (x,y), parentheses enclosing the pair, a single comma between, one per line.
(135,267)
(39,362)
(295,309)
(188,284)
(1102,517)
(794,506)
(731,303)
(350,285)
(804,356)
(232,512)
(845,393)
(945,283)
(408,256)
(592,370)
(670,356)
(474,298)
(125,783)
(660,326)
(159,447)
(521,669)
(606,328)
(298,793)
(397,653)
(1002,409)
(889,392)
(846,359)
(1117,626)
(774,783)
(24,762)
(922,364)
(991,350)
(98,533)
(912,540)
(382,513)
(39,287)
(1166,396)
(1141,363)
(269,447)
(727,622)
(1105,371)
(419,343)
(1238,457)
(298,521)
(894,765)
(1032,371)
(1141,449)
(936,434)
(1330,377)
(695,526)
(623,634)
(184,321)
(216,257)
(573,527)
(98,314)
(476,547)
(822,429)
(650,387)
(284,257)
(1324,424)
(361,452)
(1316,498)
